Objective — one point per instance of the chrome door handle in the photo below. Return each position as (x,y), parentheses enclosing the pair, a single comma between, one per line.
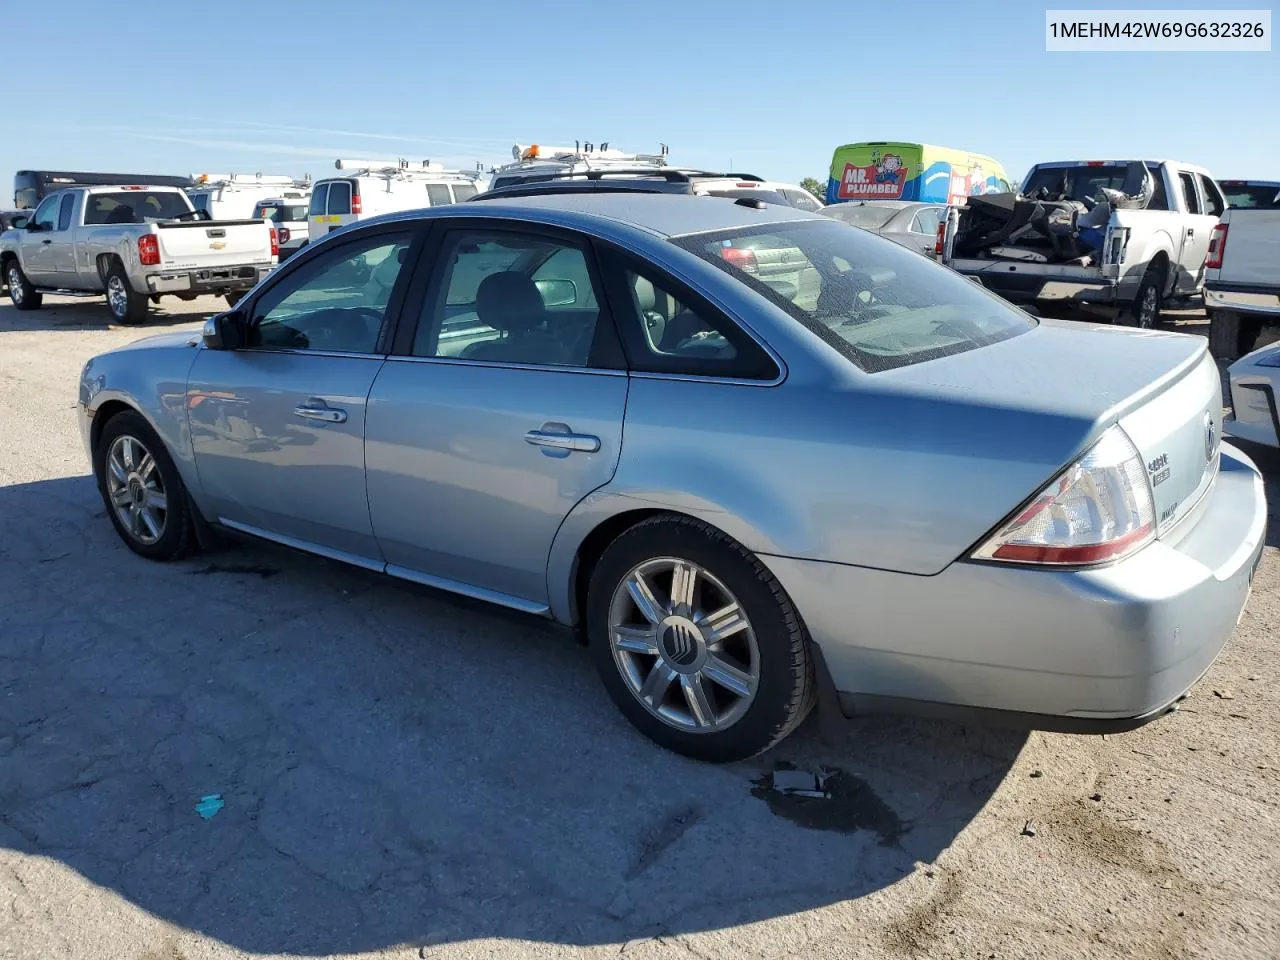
(319,410)
(45,243)
(578,442)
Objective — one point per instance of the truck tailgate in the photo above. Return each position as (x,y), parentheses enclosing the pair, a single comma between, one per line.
(213,243)
(1252,251)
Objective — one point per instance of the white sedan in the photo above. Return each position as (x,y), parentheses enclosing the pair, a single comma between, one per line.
(1255,379)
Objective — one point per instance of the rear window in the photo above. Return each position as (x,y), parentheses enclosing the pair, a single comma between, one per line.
(280,212)
(318,200)
(340,197)
(1083,183)
(463,191)
(865,215)
(1251,195)
(134,206)
(877,303)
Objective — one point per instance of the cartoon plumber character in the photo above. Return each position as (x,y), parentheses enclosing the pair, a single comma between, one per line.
(888,168)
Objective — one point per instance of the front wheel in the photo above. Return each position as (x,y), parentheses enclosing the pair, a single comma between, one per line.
(142,490)
(126,304)
(696,641)
(21,292)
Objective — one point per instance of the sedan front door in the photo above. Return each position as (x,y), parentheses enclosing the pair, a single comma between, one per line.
(503,412)
(278,427)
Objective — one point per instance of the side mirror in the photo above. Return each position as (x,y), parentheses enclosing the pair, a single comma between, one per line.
(557,293)
(226,331)
(19,223)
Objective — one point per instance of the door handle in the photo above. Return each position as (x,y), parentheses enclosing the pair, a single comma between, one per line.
(319,410)
(45,243)
(576,442)
(1191,232)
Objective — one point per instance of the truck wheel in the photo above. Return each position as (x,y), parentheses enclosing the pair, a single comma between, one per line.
(21,292)
(1150,299)
(1230,337)
(125,303)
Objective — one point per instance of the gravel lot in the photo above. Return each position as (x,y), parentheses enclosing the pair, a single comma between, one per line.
(405,774)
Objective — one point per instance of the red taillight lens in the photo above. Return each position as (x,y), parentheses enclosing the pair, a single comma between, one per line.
(275,243)
(1217,246)
(940,239)
(1099,509)
(355,198)
(149,250)
(744,260)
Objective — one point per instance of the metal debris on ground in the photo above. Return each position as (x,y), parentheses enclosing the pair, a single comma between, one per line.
(802,783)
(1224,694)
(209,805)
(1028,829)
(1037,773)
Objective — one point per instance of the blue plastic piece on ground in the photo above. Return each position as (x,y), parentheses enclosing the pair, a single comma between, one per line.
(209,806)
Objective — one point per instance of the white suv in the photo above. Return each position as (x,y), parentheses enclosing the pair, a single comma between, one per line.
(373,187)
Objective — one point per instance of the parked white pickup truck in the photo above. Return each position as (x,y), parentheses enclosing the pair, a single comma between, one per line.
(1242,275)
(135,244)
(1119,237)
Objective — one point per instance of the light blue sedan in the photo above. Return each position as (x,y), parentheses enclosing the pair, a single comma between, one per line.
(755,457)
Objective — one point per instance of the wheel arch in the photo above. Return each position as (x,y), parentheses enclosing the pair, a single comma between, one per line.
(104,413)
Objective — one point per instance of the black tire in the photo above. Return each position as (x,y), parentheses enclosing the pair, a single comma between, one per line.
(233,298)
(127,305)
(186,297)
(1149,302)
(1230,335)
(176,533)
(786,688)
(21,293)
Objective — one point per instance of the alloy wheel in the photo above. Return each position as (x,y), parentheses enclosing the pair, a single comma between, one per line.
(684,645)
(117,296)
(136,490)
(16,293)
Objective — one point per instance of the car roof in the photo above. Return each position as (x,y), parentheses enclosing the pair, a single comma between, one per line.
(668,215)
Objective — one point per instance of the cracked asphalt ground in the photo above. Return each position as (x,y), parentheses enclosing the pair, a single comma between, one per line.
(404,774)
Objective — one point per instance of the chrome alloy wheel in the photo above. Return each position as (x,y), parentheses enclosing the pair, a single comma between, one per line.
(1147,309)
(684,645)
(136,490)
(117,296)
(15,285)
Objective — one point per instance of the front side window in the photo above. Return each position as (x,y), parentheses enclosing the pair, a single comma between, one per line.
(340,197)
(46,217)
(877,303)
(337,302)
(64,212)
(511,298)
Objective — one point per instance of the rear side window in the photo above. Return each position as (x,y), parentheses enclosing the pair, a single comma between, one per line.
(878,304)
(801,200)
(1214,205)
(438,194)
(1189,196)
(463,191)
(318,200)
(64,212)
(926,221)
(340,197)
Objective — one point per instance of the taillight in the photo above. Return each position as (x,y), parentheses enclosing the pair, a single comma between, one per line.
(1097,510)
(1217,246)
(283,235)
(940,241)
(744,260)
(275,243)
(355,197)
(149,250)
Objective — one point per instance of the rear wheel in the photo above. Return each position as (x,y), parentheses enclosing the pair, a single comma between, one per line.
(142,490)
(21,292)
(1149,302)
(125,303)
(1231,336)
(233,298)
(696,642)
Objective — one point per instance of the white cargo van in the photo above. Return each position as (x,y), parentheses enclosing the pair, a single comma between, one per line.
(367,188)
(233,196)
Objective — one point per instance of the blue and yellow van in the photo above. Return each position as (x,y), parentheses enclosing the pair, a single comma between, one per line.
(883,170)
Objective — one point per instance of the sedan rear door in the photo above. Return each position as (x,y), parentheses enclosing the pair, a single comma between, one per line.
(500,411)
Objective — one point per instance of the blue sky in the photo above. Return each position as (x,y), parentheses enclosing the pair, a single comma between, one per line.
(175,87)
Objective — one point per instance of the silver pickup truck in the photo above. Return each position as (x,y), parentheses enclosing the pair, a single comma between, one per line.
(136,244)
(1120,238)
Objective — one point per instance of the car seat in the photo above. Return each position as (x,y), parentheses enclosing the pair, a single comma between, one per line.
(511,304)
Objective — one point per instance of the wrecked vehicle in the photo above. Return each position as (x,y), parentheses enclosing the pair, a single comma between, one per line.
(1117,237)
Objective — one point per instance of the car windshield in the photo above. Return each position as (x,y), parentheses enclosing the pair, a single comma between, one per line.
(1252,196)
(877,303)
(869,216)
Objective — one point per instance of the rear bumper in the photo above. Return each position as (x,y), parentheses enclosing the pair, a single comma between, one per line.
(1243,298)
(1085,650)
(216,280)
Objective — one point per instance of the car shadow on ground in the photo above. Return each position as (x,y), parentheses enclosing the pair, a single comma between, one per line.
(92,314)
(381,766)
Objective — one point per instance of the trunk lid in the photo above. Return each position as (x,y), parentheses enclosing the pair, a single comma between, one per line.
(213,243)
(1065,382)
